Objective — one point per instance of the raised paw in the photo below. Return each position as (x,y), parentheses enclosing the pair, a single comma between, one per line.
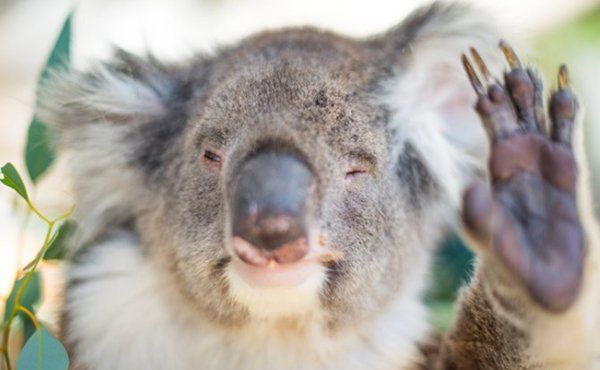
(528,216)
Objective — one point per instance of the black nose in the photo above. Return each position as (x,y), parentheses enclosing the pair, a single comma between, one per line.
(269,205)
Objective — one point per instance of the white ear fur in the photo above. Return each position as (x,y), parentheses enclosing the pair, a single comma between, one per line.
(432,100)
(95,115)
(125,89)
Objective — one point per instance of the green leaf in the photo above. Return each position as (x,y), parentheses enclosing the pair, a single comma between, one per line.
(57,249)
(12,179)
(60,56)
(29,298)
(43,351)
(39,153)
(28,326)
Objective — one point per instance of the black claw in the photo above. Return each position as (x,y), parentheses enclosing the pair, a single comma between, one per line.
(475,82)
(510,55)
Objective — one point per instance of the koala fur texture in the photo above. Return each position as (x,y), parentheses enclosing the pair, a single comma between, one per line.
(366,146)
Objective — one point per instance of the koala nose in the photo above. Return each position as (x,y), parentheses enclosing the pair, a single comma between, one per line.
(269,208)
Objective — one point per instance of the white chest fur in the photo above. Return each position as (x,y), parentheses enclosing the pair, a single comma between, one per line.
(120,317)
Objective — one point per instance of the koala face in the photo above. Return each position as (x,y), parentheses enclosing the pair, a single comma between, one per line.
(298,173)
(283,183)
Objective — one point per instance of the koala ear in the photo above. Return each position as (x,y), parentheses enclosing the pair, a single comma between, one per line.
(113,123)
(428,93)
(125,89)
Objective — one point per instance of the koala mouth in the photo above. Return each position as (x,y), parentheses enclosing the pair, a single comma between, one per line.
(275,275)
(260,269)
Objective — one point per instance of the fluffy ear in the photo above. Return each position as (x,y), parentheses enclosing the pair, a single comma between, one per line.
(114,123)
(429,95)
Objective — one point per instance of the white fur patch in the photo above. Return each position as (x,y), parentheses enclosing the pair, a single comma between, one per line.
(103,92)
(93,114)
(123,315)
(275,301)
(105,186)
(432,101)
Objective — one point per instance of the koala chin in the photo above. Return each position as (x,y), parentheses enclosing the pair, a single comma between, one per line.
(275,205)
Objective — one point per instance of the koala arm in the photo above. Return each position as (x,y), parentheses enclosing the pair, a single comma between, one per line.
(533,302)
(480,338)
(498,326)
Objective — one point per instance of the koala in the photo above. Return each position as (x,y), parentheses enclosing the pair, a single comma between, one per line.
(276,204)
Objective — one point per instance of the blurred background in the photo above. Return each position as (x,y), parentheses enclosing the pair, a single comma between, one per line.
(545,32)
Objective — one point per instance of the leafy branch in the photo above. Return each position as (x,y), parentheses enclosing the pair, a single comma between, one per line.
(23,298)
(41,350)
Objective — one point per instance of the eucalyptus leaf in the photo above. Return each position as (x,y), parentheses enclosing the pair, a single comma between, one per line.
(43,351)
(39,153)
(33,261)
(28,326)
(29,299)
(60,56)
(57,249)
(12,179)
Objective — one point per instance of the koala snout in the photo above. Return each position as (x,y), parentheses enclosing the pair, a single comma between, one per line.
(269,205)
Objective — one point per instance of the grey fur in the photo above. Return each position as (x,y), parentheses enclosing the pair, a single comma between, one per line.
(135,129)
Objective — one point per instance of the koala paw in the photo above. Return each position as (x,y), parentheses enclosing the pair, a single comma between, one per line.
(528,214)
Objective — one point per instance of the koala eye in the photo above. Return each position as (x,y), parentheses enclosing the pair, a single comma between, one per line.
(355,173)
(359,165)
(212,158)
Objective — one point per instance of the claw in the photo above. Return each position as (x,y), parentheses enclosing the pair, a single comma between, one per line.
(511,56)
(475,82)
(481,65)
(563,77)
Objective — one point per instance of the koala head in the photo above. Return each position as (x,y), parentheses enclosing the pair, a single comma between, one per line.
(296,173)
